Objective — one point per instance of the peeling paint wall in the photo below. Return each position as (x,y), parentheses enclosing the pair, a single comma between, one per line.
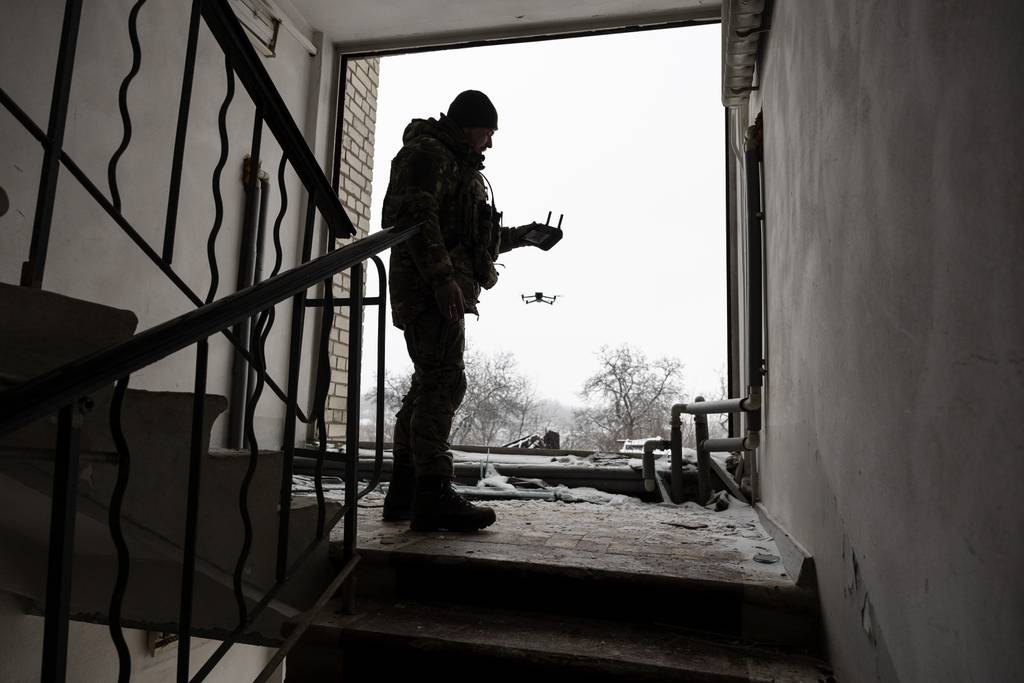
(895,257)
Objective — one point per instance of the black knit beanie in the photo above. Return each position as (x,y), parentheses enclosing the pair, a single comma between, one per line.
(473,109)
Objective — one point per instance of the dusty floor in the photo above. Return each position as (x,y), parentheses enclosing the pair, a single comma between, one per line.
(623,535)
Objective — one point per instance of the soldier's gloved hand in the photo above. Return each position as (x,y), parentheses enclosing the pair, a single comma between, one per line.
(450,302)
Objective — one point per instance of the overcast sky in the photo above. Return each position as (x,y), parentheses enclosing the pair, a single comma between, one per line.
(624,135)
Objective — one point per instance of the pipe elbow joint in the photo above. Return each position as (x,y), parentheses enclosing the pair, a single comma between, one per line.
(753,400)
(752,441)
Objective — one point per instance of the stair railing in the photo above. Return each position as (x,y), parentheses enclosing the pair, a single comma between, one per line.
(60,390)
(63,389)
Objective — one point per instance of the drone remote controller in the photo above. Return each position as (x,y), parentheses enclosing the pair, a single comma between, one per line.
(544,236)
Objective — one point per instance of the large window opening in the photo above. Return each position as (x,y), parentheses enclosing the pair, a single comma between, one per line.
(623,135)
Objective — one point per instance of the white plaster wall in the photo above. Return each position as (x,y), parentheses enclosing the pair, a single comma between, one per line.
(91,655)
(895,251)
(89,256)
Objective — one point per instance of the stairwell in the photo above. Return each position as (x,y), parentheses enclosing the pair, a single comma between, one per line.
(43,330)
(575,591)
(630,593)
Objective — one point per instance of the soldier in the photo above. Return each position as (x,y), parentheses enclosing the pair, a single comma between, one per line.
(436,278)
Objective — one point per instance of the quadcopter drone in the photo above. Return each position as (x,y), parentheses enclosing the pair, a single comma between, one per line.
(540,298)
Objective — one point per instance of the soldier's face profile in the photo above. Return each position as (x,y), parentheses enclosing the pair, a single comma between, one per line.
(479,138)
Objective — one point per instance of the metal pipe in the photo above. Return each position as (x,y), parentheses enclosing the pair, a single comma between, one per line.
(244,279)
(723,445)
(32,270)
(261,230)
(730,247)
(755,300)
(729,405)
(755,319)
(741,443)
(700,423)
(649,473)
(676,443)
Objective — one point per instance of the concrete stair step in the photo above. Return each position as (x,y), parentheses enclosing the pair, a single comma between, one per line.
(157,427)
(44,330)
(155,554)
(686,592)
(464,643)
(152,421)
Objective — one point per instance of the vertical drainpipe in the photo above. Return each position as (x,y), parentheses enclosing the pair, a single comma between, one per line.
(755,298)
(261,231)
(730,245)
(246,264)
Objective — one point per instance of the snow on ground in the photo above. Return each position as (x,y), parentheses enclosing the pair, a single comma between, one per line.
(589,513)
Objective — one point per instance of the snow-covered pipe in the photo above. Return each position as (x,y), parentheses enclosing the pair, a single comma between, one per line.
(728,405)
(649,474)
(676,443)
(751,405)
(746,443)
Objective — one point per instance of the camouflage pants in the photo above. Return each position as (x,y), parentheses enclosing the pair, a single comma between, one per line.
(424,421)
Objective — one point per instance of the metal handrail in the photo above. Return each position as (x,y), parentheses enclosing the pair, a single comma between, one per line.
(62,389)
(48,392)
(221,21)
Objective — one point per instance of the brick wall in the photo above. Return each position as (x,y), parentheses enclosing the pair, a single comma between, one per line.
(356,161)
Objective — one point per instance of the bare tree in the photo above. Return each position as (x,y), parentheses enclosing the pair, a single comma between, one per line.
(719,428)
(630,397)
(396,386)
(500,403)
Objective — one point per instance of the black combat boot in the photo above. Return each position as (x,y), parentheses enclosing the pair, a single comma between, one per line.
(437,506)
(398,501)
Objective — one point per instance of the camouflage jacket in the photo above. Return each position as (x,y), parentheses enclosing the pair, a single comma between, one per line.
(436,180)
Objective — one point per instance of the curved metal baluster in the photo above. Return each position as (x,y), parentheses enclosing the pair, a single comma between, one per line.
(323,386)
(283,189)
(114,522)
(257,344)
(378,454)
(218,201)
(122,103)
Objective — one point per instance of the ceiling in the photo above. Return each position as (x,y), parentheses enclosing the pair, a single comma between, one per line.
(376,25)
